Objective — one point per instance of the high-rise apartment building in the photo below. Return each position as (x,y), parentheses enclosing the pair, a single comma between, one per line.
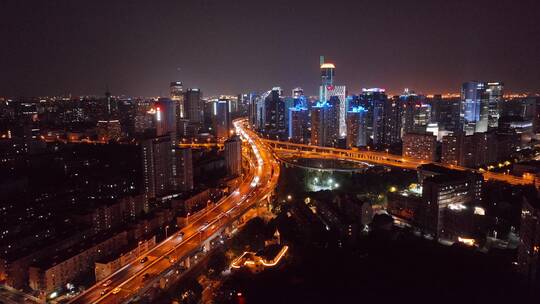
(159,166)
(356,127)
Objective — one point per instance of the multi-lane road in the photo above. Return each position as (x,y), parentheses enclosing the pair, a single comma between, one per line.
(257,184)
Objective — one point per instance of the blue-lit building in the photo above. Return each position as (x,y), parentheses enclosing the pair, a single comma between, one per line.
(356,127)
(298,124)
(474,107)
(374,100)
(324,125)
(222,118)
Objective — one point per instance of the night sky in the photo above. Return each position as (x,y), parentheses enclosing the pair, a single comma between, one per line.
(136,47)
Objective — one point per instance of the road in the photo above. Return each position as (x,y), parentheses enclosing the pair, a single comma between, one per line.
(258,183)
(382,158)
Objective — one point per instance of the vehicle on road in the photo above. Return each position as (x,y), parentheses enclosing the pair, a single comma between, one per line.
(116,290)
(107,283)
(104,291)
(144,259)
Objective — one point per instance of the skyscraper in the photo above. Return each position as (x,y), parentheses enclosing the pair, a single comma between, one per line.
(356,127)
(298,124)
(165,117)
(222,118)
(328,90)
(176,90)
(158,167)
(474,107)
(494,91)
(375,100)
(233,156)
(274,108)
(324,125)
(193,106)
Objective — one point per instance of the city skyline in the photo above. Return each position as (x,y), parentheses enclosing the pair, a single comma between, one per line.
(137,49)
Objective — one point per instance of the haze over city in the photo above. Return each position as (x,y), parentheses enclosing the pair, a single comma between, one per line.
(135,47)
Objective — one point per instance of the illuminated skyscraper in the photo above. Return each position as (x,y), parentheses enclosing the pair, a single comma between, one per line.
(324,125)
(274,108)
(158,166)
(177,95)
(356,127)
(374,100)
(222,118)
(328,90)
(494,91)
(298,124)
(165,117)
(193,106)
(474,107)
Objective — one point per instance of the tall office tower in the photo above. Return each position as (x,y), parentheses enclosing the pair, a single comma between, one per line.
(193,106)
(324,125)
(297,92)
(356,127)
(261,110)
(165,117)
(494,91)
(158,166)
(444,188)
(176,90)
(185,169)
(274,107)
(252,108)
(298,124)
(222,119)
(529,239)
(374,100)
(474,107)
(337,97)
(392,122)
(416,112)
(233,156)
(328,90)
(421,146)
